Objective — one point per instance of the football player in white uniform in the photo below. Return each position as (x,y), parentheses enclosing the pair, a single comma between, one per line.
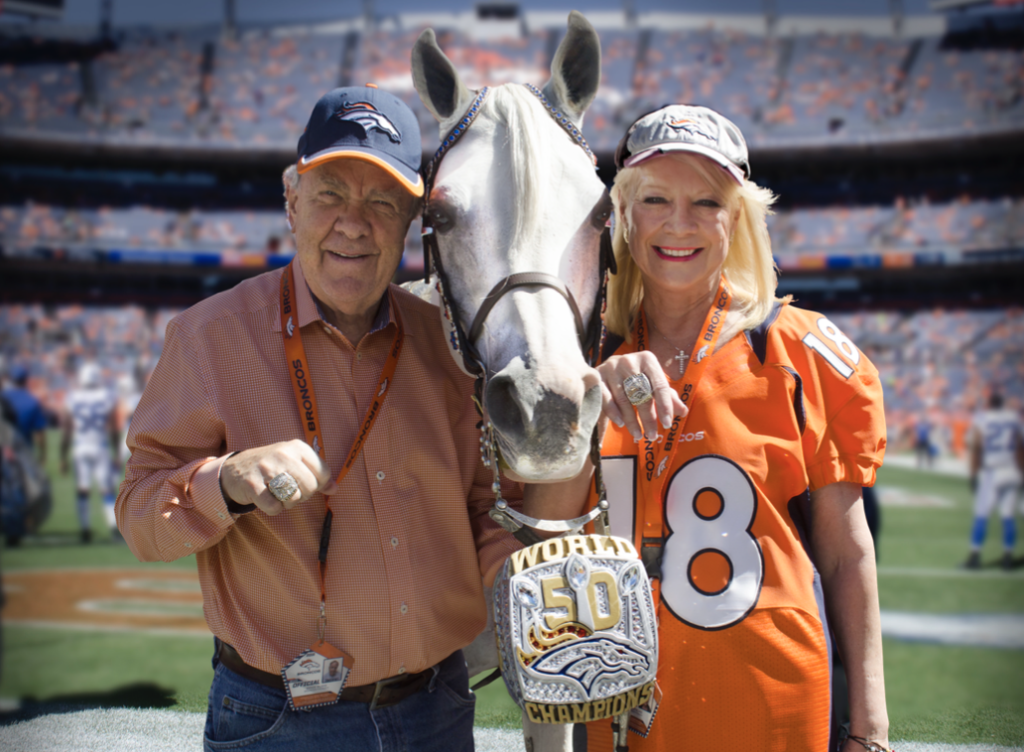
(89,431)
(997,462)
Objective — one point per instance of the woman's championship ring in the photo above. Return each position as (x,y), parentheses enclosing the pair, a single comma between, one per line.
(638,389)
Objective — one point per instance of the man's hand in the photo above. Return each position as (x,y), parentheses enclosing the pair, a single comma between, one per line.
(244,476)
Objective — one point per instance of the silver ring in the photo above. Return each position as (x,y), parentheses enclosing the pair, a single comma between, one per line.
(283,486)
(638,389)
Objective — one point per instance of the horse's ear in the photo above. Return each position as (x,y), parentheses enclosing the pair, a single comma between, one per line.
(436,80)
(575,69)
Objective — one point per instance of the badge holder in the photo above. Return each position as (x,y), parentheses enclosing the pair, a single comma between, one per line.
(317,675)
(642,718)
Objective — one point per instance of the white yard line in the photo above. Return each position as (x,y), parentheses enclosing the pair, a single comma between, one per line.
(979,630)
(943,465)
(129,730)
(952,573)
(87,627)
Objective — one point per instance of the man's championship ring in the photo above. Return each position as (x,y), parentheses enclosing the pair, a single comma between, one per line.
(576,629)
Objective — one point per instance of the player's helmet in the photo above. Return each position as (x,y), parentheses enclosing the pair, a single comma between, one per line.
(89,375)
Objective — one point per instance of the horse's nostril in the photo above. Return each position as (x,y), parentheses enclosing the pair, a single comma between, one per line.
(504,408)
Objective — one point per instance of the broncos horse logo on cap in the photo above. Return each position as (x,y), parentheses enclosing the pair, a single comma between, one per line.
(368,116)
(692,127)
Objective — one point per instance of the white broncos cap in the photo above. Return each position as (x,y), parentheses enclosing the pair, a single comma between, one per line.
(684,127)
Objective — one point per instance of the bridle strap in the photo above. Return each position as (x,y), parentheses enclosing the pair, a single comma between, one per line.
(525,279)
(590,338)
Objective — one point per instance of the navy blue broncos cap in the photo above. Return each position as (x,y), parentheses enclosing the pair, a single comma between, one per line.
(363,122)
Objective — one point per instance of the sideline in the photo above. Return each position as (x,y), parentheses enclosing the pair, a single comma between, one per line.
(951,573)
(941,465)
(129,730)
(977,630)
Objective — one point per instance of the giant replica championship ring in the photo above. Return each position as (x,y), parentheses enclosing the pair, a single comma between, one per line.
(576,629)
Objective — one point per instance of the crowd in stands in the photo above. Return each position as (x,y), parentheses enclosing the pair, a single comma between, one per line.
(939,366)
(912,226)
(142,227)
(199,86)
(917,226)
(935,365)
(52,342)
(265,86)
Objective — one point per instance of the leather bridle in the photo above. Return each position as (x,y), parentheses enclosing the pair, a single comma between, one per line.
(589,336)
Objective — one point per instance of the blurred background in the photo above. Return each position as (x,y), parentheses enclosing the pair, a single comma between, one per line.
(141,149)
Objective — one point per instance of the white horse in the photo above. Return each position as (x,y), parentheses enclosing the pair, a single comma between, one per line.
(517,193)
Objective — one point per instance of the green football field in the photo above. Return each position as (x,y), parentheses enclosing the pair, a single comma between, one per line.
(936,692)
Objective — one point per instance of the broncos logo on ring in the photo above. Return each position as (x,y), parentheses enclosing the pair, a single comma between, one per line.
(692,127)
(588,660)
(366,115)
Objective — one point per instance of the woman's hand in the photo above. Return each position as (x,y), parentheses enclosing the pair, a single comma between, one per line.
(851,746)
(644,420)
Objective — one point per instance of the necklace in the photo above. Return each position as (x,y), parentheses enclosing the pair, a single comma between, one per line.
(681,357)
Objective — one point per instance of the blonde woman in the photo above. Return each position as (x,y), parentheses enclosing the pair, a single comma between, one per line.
(743,431)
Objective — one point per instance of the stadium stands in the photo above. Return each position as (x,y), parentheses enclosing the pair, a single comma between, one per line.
(940,365)
(954,230)
(197,86)
(801,238)
(965,90)
(266,85)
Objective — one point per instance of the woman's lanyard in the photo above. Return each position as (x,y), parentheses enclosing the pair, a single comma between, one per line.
(653,470)
(305,399)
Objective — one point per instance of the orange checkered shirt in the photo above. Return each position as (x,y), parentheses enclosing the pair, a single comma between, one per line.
(411,538)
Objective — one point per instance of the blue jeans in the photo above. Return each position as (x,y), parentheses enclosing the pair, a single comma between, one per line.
(245,715)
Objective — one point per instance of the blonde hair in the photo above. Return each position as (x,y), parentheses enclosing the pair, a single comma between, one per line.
(749,267)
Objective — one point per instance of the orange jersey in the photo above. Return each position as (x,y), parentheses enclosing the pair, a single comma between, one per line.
(781,410)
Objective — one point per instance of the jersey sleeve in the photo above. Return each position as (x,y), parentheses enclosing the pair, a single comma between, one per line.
(844,435)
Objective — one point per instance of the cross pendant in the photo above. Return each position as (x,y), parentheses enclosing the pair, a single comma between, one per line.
(682,358)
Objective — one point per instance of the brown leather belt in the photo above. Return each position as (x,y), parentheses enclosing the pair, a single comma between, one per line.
(381,694)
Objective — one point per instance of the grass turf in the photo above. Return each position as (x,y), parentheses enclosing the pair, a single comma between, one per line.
(935,693)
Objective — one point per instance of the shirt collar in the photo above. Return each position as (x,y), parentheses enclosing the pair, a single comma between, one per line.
(309,309)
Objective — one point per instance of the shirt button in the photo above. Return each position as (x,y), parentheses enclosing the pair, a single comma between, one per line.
(359,356)
(394,542)
(401,669)
(404,609)
(380,475)
(188,545)
(327,329)
(221,515)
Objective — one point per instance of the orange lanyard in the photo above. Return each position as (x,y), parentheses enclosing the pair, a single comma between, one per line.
(305,399)
(653,469)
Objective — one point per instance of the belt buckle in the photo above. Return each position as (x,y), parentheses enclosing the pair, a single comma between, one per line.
(379,687)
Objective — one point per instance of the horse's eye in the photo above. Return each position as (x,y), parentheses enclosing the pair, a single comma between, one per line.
(440,219)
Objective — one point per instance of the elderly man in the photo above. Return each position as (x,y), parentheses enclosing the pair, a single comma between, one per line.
(307,436)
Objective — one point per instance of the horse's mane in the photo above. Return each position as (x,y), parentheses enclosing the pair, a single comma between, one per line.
(520,112)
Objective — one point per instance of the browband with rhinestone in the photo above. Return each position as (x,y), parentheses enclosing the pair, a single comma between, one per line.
(563,121)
